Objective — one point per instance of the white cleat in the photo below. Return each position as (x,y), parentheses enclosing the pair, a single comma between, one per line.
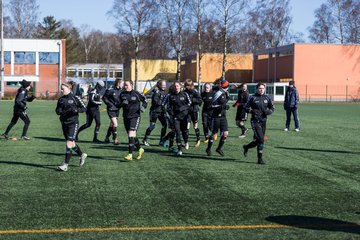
(297,130)
(63,167)
(82,159)
(186,146)
(286,129)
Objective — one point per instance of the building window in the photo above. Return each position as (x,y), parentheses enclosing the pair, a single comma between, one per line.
(13,84)
(48,58)
(25,57)
(87,73)
(252,89)
(102,73)
(269,90)
(71,73)
(7,57)
(279,90)
(118,74)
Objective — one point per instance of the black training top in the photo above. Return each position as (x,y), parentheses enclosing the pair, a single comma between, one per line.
(132,103)
(94,99)
(219,102)
(195,98)
(112,98)
(68,107)
(207,100)
(179,105)
(21,99)
(242,98)
(260,106)
(156,101)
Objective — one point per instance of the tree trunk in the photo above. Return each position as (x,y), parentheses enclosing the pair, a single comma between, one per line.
(136,63)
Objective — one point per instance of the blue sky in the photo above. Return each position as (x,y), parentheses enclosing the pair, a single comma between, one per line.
(93,13)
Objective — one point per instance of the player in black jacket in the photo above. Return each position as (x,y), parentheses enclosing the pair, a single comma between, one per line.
(132,103)
(68,107)
(260,106)
(112,101)
(179,105)
(92,110)
(157,112)
(241,114)
(219,121)
(20,110)
(207,96)
(196,102)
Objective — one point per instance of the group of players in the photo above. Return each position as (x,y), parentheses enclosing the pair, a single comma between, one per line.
(176,108)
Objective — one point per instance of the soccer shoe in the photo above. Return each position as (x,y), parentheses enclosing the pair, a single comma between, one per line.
(145,142)
(82,159)
(208,151)
(25,138)
(186,145)
(95,140)
(197,144)
(261,161)
(165,144)
(179,153)
(206,140)
(128,157)
(141,153)
(215,137)
(116,141)
(242,136)
(297,130)
(246,131)
(245,150)
(107,140)
(5,136)
(63,167)
(173,149)
(219,151)
(286,129)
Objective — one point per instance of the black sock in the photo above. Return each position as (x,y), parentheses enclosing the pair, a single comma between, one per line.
(114,132)
(147,133)
(137,143)
(25,129)
(68,154)
(96,132)
(77,150)
(197,132)
(211,141)
(131,144)
(163,132)
(222,142)
(109,131)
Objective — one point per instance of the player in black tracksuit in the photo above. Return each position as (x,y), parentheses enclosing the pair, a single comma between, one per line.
(196,102)
(112,101)
(20,110)
(219,121)
(207,96)
(68,107)
(157,112)
(132,103)
(93,111)
(260,106)
(179,105)
(241,114)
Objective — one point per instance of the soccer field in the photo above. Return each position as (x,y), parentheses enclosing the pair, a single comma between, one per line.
(309,188)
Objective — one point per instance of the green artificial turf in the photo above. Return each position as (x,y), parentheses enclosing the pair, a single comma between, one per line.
(310,182)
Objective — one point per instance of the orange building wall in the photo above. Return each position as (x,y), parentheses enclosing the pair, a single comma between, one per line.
(238,68)
(283,68)
(327,70)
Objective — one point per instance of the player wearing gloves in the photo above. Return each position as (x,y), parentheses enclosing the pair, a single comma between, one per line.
(112,101)
(260,106)
(68,107)
(219,121)
(132,103)
(92,110)
(20,110)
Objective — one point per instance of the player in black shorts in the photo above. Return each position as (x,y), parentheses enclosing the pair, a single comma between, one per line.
(207,96)
(260,106)
(241,114)
(112,101)
(20,110)
(93,111)
(196,102)
(68,107)
(219,121)
(132,103)
(157,112)
(179,105)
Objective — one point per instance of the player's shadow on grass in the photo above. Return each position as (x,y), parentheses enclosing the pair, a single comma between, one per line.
(109,158)
(316,223)
(318,150)
(51,139)
(46,166)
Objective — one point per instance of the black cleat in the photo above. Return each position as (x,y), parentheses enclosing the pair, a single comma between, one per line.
(4,135)
(95,140)
(208,151)
(219,151)
(245,150)
(261,161)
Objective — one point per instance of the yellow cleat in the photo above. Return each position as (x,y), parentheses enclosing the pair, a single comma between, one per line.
(128,157)
(215,137)
(197,144)
(141,153)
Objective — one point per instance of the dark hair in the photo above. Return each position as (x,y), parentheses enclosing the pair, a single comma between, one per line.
(159,82)
(189,84)
(117,80)
(292,82)
(259,84)
(130,81)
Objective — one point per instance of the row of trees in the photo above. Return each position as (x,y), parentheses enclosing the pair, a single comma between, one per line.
(177,28)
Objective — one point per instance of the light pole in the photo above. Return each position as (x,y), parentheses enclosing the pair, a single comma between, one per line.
(59,68)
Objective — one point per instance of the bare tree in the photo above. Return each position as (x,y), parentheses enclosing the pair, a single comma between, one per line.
(175,12)
(133,17)
(230,13)
(337,21)
(23,16)
(87,39)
